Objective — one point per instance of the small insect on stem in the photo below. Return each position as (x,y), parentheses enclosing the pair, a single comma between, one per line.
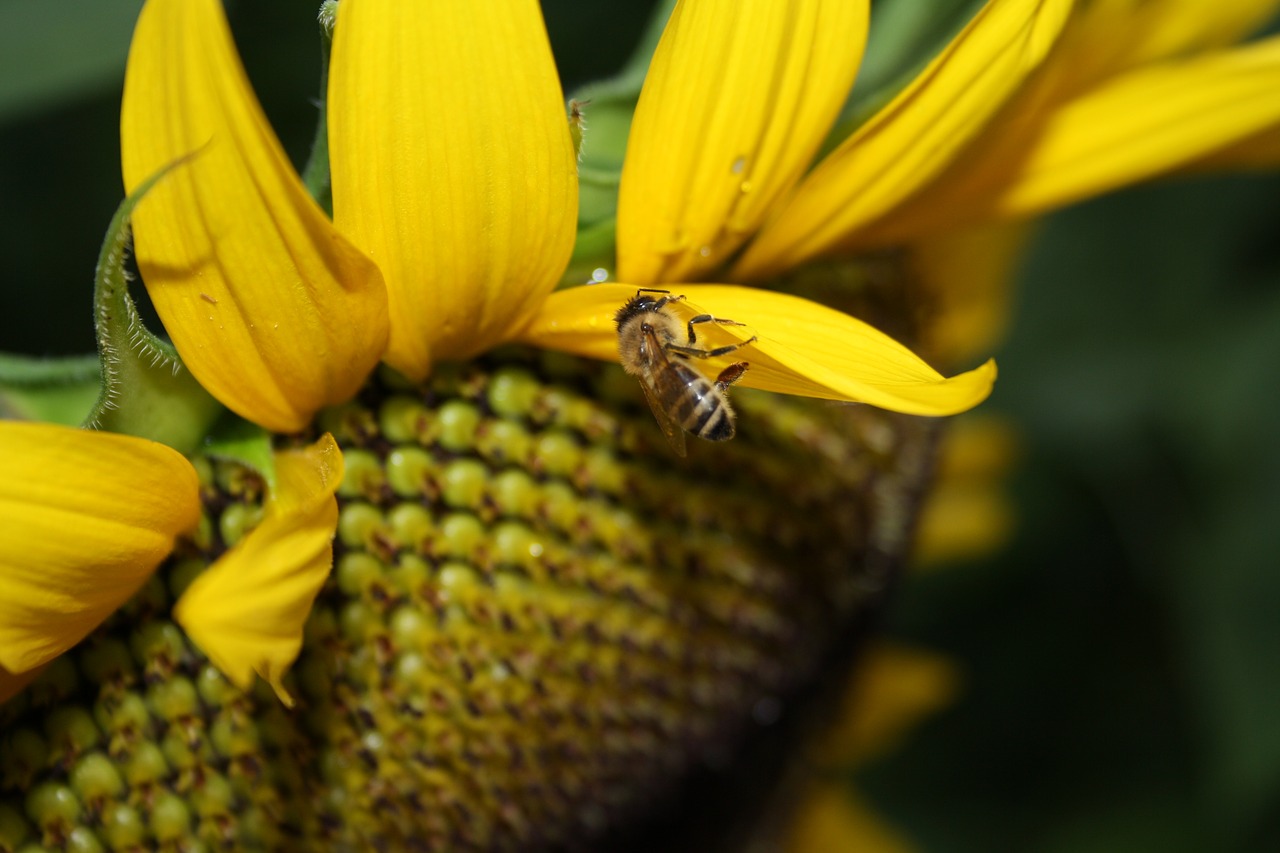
(207,298)
(656,346)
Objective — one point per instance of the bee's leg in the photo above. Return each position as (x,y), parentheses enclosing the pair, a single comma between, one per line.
(666,300)
(730,375)
(707,318)
(708,353)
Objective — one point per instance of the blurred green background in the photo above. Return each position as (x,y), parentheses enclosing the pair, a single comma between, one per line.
(1121,657)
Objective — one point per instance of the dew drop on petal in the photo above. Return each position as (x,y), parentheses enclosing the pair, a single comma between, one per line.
(739,165)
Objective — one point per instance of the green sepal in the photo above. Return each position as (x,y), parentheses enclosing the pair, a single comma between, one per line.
(53,390)
(315,175)
(146,391)
(235,439)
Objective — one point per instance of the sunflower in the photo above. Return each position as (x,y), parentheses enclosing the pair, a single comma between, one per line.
(454,202)
(453,219)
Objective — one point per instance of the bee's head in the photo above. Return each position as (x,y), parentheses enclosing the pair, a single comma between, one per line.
(644,302)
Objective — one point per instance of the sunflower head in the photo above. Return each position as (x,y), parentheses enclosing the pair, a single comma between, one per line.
(492,607)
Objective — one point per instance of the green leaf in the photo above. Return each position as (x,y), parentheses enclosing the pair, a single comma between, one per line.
(54,390)
(146,390)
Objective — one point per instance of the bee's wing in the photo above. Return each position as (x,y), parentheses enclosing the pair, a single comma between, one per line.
(671,429)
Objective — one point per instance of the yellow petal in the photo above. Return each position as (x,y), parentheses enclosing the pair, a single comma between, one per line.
(803,348)
(1130,33)
(967,275)
(830,816)
(1105,38)
(1145,124)
(1260,151)
(452,166)
(1137,126)
(913,138)
(892,690)
(272,310)
(86,518)
(247,610)
(963,522)
(968,514)
(737,100)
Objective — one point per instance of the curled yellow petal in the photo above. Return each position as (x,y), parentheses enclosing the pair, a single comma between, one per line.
(86,517)
(274,312)
(452,166)
(738,98)
(247,610)
(913,138)
(802,348)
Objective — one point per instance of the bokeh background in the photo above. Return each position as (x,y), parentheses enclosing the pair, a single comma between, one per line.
(1119,656)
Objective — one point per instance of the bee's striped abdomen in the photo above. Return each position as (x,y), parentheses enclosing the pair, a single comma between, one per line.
(695,403)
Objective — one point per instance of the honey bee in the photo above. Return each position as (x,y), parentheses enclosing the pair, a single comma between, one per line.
(682,399)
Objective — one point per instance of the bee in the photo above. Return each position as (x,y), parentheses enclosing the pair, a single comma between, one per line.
(682,399)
